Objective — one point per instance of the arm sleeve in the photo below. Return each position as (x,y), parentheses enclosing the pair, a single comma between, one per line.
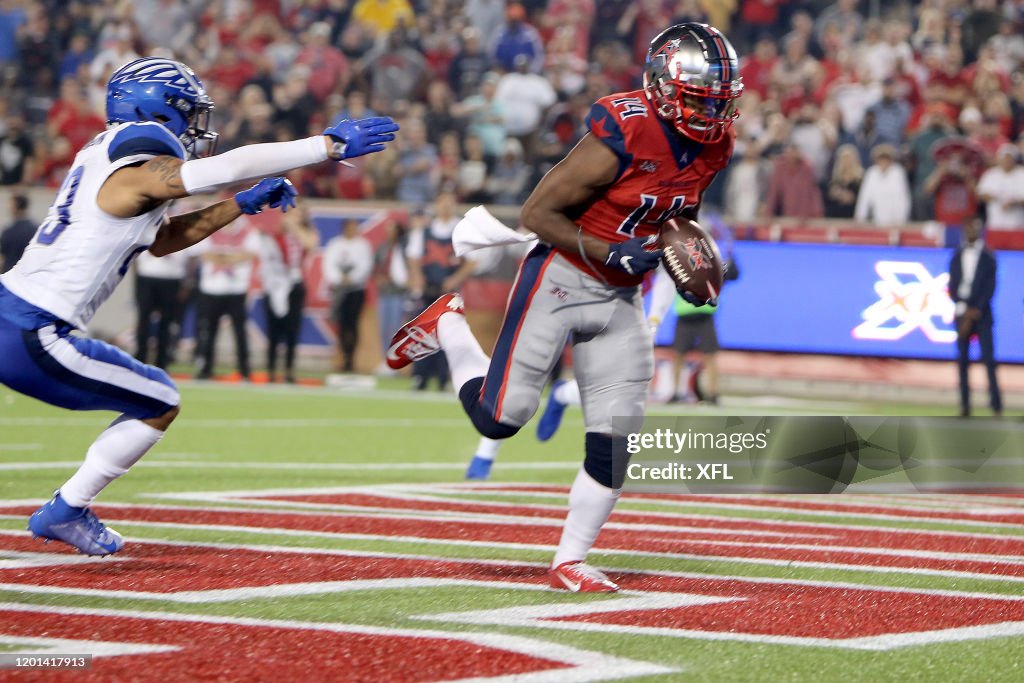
(251,161)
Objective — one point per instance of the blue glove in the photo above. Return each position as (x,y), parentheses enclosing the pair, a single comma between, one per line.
(632,256)
(695,300)
(272,192)
(362,136)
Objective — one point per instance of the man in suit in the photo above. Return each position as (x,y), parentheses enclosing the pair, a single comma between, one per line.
(972,282)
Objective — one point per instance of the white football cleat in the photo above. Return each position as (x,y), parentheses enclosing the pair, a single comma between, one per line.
(580,577)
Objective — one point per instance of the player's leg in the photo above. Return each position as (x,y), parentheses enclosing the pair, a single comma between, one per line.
(963,359)
(708,345)
(501,394)
(143,312)
(292,327)
(609,389)
(71,372)
(235,307)
(988,357)
(483,459)
(564,393)
(207,322)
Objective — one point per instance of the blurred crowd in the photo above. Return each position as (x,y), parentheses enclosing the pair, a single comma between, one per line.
(886,112)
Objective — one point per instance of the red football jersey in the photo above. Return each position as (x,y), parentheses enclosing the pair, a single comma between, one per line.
(661,173)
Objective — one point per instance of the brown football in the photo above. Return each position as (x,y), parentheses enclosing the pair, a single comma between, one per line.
(692,258)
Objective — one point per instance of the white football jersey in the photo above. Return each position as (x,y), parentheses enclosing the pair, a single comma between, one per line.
(80,253)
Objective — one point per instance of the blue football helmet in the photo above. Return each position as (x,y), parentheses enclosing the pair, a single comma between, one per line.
(165,91)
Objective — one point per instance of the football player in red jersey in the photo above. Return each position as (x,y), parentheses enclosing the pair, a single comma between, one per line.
(648,157)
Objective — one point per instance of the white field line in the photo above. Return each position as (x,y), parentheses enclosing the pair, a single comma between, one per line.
(390,491)
(330,466)
(250,423)
(848,500)
(22,447)
(611,552)
(280,590)
(547,617)
(334,552)
(587,665)
(61,647)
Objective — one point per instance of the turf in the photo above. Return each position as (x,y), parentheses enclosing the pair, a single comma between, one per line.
(256,438)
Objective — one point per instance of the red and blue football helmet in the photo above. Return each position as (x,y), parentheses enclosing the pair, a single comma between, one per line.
(692,78)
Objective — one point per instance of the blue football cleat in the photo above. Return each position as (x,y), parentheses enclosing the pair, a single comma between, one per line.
(479,468)
(78,527)
(551,418)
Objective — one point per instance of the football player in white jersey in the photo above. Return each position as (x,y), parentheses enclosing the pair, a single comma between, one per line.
(111,207)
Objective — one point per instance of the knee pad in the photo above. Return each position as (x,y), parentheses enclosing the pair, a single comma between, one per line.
(481,419)
(600,462)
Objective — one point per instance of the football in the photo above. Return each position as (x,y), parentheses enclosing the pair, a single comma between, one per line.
(692,259)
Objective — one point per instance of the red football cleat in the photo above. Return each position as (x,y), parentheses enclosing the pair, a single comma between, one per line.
(417,339)
(580,577)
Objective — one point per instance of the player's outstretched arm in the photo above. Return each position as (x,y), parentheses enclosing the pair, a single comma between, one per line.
(184,230)
(133,190)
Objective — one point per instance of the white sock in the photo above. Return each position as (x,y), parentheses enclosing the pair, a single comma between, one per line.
(465,357)
(114,451)
(569,393)
(590,505)
(488,448)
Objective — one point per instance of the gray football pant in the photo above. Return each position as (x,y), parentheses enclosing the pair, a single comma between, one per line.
(612,351)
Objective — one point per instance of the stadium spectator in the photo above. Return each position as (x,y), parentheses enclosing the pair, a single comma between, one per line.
(891,114)
(469,65)
(1001,187)
(936,126)
(436,269)
(17,153)
(843,15)
(485,116)
(416,169)
(816,138)
(16,236)
(37,45)
(641,22)
(72,117)
(570,21)
(866,139)
(1008,47)
(12,17)
(565,69)
(76,60)
(397,71)
(884,196)
(382,17)
(518,39)
(438,116)
(473,171)
(159,292)
(507,182)
(746,185)
(524,97)
(486,17)
(972,284)
(982,21)
(328,68)
(844,184)
(283,250)
(793,190)
(952,184)
(757,68)
(228,259)
(391,276)
(115,54)
(347,265)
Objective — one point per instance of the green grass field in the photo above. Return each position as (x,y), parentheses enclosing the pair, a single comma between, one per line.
(279,533)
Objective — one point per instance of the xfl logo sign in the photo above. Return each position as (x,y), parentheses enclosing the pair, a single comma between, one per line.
(699,260)
(909,298)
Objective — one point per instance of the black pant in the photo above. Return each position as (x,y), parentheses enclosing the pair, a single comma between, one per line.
(209,310)
(285,330)
(983,329)
(348,306)
(160,296)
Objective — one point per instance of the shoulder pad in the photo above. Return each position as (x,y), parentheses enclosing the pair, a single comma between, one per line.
(148,137)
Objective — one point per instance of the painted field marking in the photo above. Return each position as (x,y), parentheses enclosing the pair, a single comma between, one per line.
(586,665)
(250,423)
(509,564)
(329,466)
(38,645)
(13,559)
